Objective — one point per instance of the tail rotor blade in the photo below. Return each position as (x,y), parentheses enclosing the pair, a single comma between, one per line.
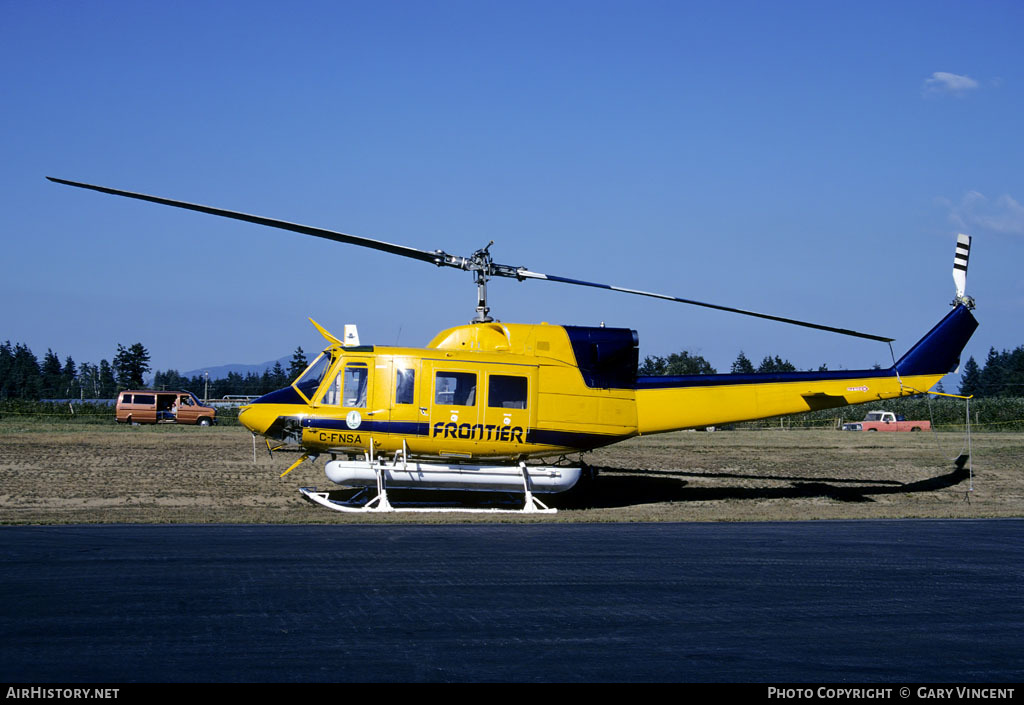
(960,259)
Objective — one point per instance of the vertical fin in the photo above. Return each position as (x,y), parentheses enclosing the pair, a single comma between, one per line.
(938,352)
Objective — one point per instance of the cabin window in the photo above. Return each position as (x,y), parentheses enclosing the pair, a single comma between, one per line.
(332,395)
(405,384)
(126,398)
(455,389)
(309,380)
(505,392)
(354,393)
(145,399)
(348,388)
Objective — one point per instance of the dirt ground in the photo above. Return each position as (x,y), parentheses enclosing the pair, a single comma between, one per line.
(52,474)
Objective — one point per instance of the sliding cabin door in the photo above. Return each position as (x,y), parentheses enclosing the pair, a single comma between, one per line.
(455,424)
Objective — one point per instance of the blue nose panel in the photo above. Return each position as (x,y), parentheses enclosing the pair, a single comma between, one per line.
(288,395)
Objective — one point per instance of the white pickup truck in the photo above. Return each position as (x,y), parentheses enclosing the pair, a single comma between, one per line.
(886,421)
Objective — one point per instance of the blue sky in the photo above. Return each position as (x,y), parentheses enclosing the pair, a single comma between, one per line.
(809,159)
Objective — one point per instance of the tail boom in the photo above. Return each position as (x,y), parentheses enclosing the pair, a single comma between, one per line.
(673,403)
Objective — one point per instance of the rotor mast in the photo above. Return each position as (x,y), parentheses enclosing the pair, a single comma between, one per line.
(481,299)
(483,268)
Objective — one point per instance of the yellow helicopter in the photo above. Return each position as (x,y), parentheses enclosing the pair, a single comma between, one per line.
(468,410)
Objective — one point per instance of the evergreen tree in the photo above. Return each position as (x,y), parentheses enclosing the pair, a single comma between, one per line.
(652,366)
(253,384)
(970,380)
(170,380)
(233,384)
(298,364)
(1015,381)
(51,375)
(742,366)
(681,363)
(130,365)
(69,379)
(26,380)
(992,375)
(89,381)
(6,362)
(1003,374)
(107,382)
(775,364)
(278,375)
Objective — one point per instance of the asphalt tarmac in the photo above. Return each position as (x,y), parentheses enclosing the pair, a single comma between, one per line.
(868,601)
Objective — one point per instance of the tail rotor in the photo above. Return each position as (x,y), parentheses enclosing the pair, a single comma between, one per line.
(960,259)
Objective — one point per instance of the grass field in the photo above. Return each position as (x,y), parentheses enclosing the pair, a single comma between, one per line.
(54,473)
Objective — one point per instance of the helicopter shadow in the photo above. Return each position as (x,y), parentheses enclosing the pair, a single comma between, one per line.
(622,487)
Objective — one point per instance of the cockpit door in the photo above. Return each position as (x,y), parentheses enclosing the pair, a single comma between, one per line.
(349,398)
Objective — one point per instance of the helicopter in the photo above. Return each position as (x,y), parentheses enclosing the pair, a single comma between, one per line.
(469,410)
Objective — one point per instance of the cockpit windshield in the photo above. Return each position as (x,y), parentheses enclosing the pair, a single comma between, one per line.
(309,381)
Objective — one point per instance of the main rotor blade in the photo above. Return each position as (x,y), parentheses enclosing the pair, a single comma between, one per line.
(526,274)
(437,258)
(480,261)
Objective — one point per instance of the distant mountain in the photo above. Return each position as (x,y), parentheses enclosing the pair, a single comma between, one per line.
(221,371)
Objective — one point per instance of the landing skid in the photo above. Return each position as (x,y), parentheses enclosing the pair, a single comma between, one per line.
(380,503)
(409,474)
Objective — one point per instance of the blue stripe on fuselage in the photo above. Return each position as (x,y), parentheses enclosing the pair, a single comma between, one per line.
(401,428)
(568,439)
(656,382)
